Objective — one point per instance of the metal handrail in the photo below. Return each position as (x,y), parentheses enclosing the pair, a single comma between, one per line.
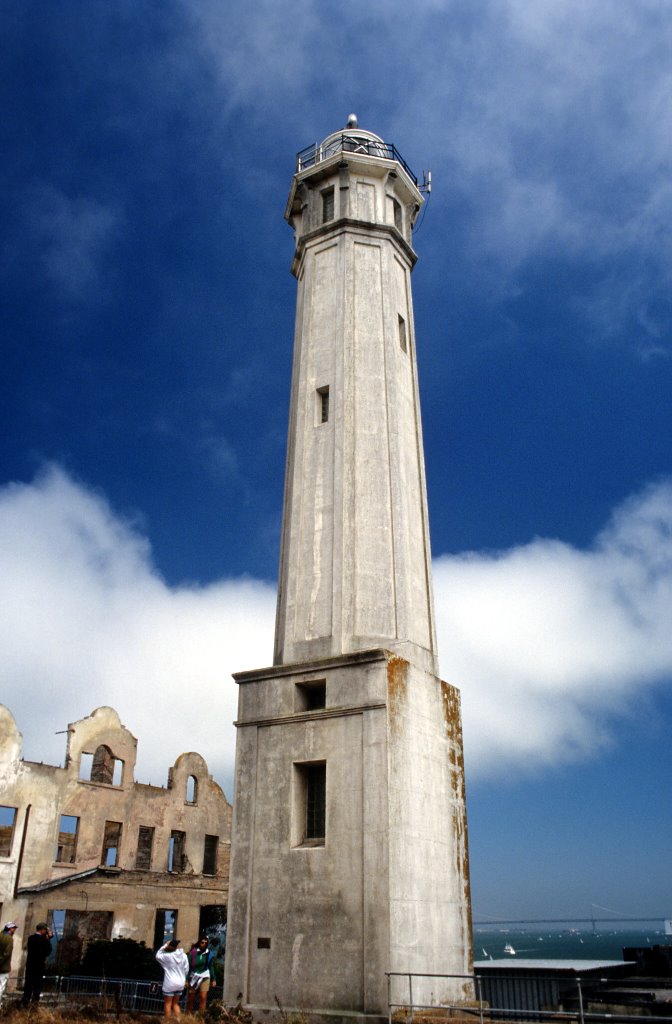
(320,151)
(483,1010)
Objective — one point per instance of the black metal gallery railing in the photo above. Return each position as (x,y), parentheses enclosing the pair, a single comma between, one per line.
(314,154)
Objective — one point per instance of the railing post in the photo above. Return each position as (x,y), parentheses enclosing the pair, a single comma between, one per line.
(480,998)
(581,1017)
(410,998)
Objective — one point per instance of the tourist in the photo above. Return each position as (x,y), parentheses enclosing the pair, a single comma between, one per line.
(175,969)
(6,949)
(39,948)
(202,973)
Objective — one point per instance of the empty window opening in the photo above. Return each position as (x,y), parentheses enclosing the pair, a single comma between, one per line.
(323,405)
(165,924)
(7,823)
(101,767)
(143,854)
(210,855)
(192,789)
(111,844)
(311,696)
(85,767)
(176,854)
(309,810)
(327,205)
(398,221)
(212,922)
(74,930)
(66,847)
(402,334)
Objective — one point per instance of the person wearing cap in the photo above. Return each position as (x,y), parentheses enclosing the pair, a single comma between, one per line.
(175,969)
(39,948)
(6,949)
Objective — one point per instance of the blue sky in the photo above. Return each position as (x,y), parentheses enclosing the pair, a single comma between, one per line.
(146,343)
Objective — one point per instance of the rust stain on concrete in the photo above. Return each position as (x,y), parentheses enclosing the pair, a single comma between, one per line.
(397,682)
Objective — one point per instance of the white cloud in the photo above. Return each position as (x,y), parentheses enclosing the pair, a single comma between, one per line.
(540,639)
(550,645)
(87,620)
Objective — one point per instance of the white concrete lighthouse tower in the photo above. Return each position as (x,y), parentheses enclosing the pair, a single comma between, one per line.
(349,847)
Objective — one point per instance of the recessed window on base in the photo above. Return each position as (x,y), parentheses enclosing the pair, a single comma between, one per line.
(309,804)
(311,696)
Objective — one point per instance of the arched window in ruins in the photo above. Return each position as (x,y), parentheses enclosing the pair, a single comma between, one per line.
(192,790)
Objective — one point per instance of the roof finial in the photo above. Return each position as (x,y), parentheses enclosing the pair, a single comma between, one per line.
(352,121)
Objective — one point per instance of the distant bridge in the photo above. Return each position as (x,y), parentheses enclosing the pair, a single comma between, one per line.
(568,920)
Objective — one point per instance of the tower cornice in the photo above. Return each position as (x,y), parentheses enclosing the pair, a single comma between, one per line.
(354,226)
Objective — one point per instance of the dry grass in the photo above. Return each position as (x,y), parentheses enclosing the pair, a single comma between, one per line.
(82,1015)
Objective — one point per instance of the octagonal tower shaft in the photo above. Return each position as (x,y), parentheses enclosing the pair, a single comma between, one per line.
(355,570)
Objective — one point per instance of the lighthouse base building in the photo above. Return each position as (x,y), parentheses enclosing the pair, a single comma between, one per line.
(349,842)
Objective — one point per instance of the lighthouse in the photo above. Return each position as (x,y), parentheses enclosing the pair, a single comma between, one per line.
(349,844)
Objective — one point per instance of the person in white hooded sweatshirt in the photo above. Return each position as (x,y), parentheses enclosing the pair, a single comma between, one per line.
(175,969)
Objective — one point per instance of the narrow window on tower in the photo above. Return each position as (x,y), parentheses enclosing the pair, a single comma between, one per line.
(323,405)
(398,222)
(327,205)
(402,334)
(309,811)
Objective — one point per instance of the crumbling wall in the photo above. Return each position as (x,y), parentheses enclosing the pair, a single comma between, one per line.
(88,841)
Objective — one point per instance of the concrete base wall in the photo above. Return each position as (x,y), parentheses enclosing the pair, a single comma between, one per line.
(318,926)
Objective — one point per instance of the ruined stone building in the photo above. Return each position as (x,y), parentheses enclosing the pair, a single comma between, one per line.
(349,845)
(102,856)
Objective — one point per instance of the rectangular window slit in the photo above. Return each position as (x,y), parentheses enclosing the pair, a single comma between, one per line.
(323,405)
(327,205)
(402,334)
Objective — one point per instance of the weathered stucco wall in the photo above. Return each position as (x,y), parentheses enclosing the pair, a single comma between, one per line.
(46,868)
(317,926)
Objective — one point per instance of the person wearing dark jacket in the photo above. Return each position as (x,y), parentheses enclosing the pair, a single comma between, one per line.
(39,948)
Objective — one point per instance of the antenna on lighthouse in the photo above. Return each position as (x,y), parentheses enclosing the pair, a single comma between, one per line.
(352,121)
(426,186)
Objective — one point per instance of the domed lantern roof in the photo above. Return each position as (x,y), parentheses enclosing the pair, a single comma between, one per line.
(353,139)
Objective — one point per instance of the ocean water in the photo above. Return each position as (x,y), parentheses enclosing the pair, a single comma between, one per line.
(551,942)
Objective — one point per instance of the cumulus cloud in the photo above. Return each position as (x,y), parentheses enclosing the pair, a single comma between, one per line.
(551,645)
(87,620)
(541,639)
